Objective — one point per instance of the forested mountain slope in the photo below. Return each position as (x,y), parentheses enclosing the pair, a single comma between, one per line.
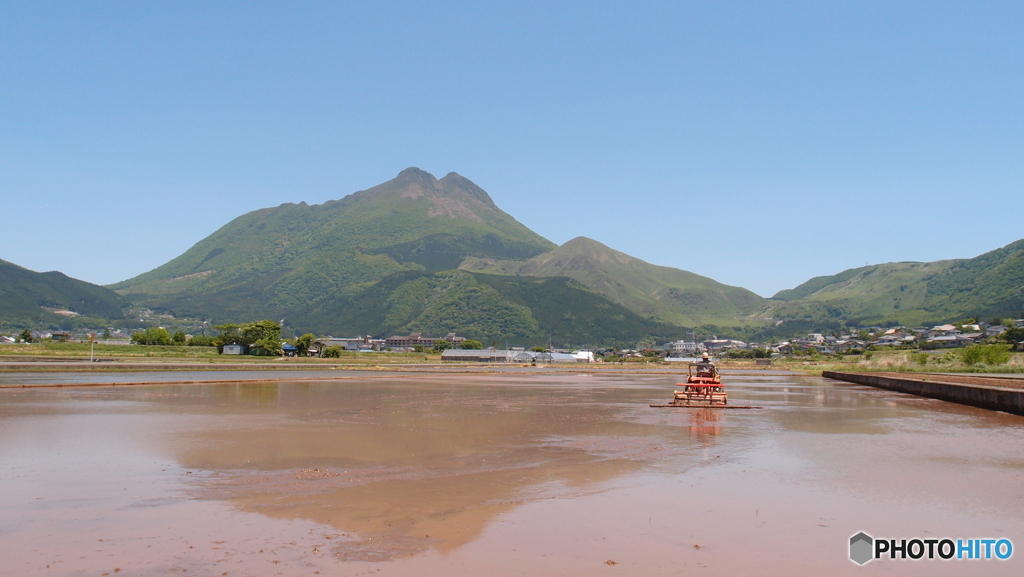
(913,293)
(664,293)
(26,296)
(295,254)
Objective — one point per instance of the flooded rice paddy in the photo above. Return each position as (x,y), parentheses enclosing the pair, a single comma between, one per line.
(532,473)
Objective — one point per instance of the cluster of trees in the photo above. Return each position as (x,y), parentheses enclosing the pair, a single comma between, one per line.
(1012,336)
(265,336)
(303,343)
(159,336)
(758,353)
(332,352)
(646,356)
(987,354)
(442,345)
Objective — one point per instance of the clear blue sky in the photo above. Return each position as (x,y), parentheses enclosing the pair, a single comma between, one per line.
(760,144)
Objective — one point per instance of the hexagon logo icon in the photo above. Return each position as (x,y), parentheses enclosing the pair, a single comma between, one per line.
(861,546)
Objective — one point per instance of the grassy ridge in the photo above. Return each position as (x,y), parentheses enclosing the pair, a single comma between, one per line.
(667,294)
(911,293)
(23,292)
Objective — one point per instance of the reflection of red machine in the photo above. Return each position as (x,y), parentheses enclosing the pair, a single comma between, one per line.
(705,425)
(703,387)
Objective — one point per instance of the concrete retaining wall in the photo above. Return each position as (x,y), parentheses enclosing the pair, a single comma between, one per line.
(994,398)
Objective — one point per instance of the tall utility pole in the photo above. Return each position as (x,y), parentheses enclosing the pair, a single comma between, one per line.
(92,347)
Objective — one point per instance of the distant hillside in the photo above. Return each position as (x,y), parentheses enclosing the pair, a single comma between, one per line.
(668,294)
(910,293)
(271,260)
(485,307)
(26,295)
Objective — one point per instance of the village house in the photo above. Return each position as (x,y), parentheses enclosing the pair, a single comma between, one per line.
(812,340)
(716,345)
(509,356)
(895,338)
(994,330)
(848,344)
(784,348)
(941,331)
(954,340)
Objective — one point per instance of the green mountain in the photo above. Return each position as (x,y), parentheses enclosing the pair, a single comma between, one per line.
(520,309)
(658,292)
(273,260)
(385,260)
(26,296)
(912,293)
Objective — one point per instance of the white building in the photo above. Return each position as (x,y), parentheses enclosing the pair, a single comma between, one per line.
(684,348)
(584,356)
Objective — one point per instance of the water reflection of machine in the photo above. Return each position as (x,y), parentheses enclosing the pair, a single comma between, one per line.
(704,425)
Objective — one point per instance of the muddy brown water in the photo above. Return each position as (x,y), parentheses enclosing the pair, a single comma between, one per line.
(510,474)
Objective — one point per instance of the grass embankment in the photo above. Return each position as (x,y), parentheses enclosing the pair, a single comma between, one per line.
(903,362)
(172,354)
(79,351)
(162,356)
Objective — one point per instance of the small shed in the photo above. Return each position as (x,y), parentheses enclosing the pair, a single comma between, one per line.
(234,350)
